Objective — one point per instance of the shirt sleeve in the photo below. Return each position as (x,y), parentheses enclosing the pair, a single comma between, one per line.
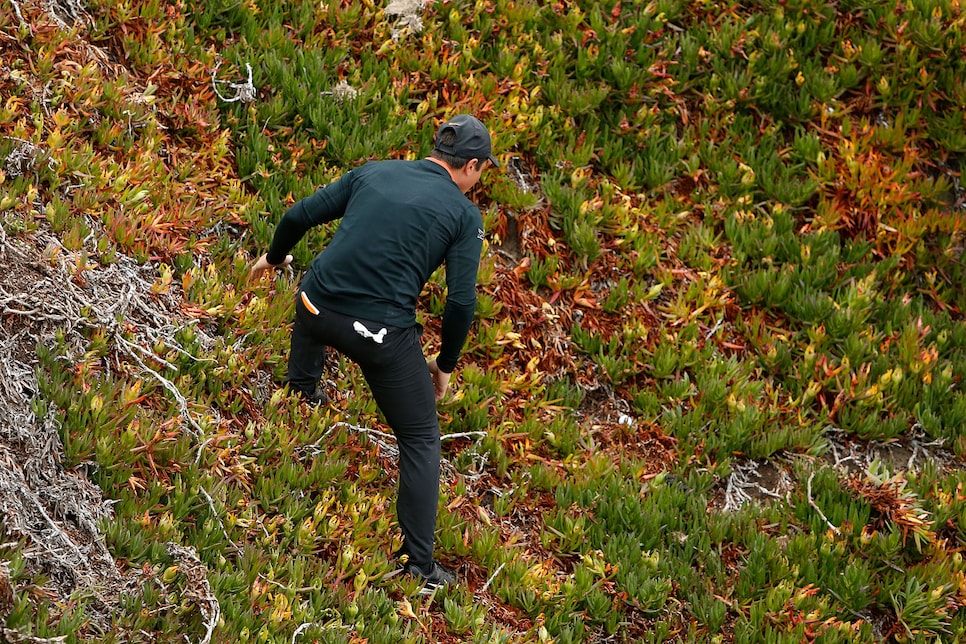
(325,205)
(462,265)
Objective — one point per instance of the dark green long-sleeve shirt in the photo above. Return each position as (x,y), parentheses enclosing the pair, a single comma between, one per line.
(401,220)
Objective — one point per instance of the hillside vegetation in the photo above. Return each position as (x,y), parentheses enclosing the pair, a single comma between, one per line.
(714,388)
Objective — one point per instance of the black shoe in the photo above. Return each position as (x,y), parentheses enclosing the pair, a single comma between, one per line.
(437,578)
(317,398)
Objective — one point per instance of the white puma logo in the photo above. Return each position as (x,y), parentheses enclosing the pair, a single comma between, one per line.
(361,329)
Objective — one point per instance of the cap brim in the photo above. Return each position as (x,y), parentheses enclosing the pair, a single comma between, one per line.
(493,160)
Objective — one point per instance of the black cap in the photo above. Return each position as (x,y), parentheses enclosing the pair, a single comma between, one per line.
(472,140)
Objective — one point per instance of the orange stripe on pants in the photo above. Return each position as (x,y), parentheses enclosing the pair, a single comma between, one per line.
(308,304)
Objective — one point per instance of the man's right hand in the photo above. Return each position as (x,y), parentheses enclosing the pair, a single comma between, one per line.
(440,379)
(261,265)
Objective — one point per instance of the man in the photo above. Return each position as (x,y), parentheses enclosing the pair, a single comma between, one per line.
(400,221)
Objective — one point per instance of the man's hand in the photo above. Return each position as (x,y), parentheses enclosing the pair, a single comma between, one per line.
(440,379)
(261,265)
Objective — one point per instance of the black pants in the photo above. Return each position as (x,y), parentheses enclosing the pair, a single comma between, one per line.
(393,364)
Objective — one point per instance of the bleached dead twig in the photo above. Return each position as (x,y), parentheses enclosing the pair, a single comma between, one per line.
(298,631)
(16,637)
(387,445)
(150,354)
(244,92)
(342,92)
(714,329)
(176,393)
(735,496)
(852,456)
(24,157)
(744,484)
(462,435)
(197,588)
(815,507)
(62,10)
(489,581)
(385,442)
(407,16)
(214,512)
(51,295)
(16,9)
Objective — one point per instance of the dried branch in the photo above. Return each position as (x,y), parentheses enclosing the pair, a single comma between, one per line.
(745,477)
(16,9)
(214,512)
(50,292)
(407,16)
(198,589)
(178,396)
(244,92)
(24,157)
(489,581)
(815,505)
(16,637)
(67,13)
(463,435)
(342,93)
